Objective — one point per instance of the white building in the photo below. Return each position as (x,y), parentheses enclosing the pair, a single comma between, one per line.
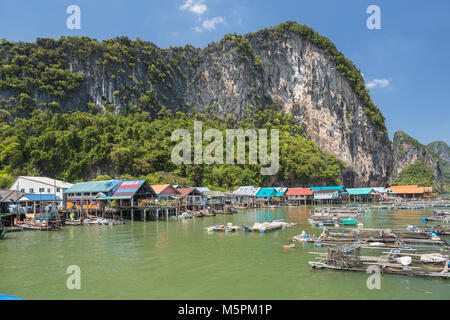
(326,194)
(40,185)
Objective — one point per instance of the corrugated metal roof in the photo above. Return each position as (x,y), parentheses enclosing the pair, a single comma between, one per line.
(202,189)
(127,189)
(325,191)
(339,188)
(266,192)
(10,195)
(164,189)
(299,192)
(214,194)
(186,191)
(40,197)
(246,191)
(407,189)
(359,191)
(47,181)
(93,186)
(381,189)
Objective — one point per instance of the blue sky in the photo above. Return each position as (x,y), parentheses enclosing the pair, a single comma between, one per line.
(406,63)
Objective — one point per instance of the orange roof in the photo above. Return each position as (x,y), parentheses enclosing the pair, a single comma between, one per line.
(299,192)
(408,189)
(159,188)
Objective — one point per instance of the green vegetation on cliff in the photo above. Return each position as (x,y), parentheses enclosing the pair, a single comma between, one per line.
(52,124)
(416,174)
(76,146)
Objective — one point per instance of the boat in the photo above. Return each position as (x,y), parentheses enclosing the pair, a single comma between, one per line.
(270,226)
(186,215)
(230,210)
(74,222)
(102,221)
(42,224)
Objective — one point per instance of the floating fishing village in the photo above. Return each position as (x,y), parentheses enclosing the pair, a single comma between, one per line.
(336,212)
(210,150)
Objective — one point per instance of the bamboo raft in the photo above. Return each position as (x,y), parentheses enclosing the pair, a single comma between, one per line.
(348,258)
(438,229)
(373,238)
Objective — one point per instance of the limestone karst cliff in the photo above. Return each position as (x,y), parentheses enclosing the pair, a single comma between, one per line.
(289,66)
(408,151)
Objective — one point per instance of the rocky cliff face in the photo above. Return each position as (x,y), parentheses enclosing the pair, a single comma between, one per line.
(443,151)
(231,77)
(407,151)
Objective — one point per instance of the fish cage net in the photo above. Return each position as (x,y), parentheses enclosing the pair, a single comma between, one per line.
(344,257)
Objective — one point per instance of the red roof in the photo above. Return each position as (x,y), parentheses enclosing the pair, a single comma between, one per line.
(186,191)
(299,192)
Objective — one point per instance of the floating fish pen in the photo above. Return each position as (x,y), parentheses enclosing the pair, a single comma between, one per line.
(327,219)
(373,238)
(442,205)
(348,258)
(441,213)
(442,219)
(223,228)
(342,210)
(436,229)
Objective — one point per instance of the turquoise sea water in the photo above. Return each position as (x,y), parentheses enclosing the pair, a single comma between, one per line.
(179,260)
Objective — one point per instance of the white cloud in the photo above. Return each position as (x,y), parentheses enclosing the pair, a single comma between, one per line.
(194,6)
(382,83)
(210,24)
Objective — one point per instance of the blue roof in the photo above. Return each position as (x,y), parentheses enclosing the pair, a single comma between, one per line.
(42,197)
(202,189)
(93,186)
(266,192)
(6,297)
(340,188)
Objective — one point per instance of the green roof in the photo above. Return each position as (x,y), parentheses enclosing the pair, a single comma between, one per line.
(93,186)
(359,191)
